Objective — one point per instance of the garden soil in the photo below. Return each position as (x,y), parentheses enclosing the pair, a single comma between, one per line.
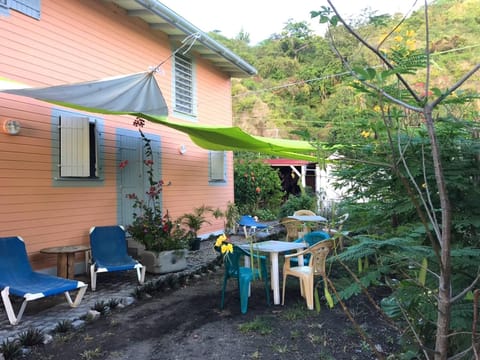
(187,323)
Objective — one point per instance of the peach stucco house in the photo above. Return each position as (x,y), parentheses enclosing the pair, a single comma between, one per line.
(52,42)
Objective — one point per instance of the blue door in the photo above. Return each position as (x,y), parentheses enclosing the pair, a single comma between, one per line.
(132,175)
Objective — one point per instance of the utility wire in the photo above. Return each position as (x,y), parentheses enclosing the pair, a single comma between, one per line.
(334,75)
(187,43)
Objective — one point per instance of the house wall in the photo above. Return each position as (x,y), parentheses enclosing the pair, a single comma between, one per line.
(78,41)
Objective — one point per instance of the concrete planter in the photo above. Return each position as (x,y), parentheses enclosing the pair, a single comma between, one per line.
(165,261)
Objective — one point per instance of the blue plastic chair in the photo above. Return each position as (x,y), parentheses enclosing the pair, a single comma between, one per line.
(310,238)
(18,278)
(250,226)
(109,253)
(244,275)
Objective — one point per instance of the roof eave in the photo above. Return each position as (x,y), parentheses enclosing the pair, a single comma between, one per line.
(157,8)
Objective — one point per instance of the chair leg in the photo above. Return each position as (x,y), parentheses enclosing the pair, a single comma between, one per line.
(302,287)
(78,297)
(308,291)
(222,301)
(244,285)
(93,277)
(141,269)
(14,320)
(283,291)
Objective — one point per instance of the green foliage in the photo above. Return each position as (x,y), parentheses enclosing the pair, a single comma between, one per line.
(63,326)
(100,306)
(196,219)
(257,185)
(266,214)
(308,94)
(31,337)
(150,227)
(259,325)
(112,303)
(11,349)
(294,203)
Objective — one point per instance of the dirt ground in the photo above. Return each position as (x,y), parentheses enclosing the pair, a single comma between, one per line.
(187,323)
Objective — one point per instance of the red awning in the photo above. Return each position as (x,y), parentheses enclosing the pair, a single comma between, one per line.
(287,162)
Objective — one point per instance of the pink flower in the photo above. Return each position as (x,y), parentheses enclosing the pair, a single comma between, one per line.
(139,122)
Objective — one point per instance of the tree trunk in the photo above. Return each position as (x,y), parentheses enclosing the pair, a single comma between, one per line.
(444,286)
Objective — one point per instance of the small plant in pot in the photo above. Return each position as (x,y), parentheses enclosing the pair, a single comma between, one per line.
(194,222)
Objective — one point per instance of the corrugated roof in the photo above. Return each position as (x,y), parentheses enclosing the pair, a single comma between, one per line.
(161,18)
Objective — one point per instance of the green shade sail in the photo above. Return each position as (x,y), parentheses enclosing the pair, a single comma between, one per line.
(139,95)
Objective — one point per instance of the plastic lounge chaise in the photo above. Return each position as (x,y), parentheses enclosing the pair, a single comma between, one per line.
(251,226)
(18,278)
(109,253)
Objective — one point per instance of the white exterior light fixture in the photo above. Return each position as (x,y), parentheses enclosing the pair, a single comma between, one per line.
(11,127)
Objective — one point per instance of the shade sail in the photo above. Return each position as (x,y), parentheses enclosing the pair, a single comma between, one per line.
(233,138)
(116,95)
(139,95)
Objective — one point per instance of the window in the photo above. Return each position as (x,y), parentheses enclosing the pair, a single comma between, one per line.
(184,85)
(78,147)
(28,7)
(4,6)
(217,166)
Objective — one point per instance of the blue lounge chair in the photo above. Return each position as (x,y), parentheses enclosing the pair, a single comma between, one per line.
(18,278)
(109,253)
(244,275)
(250,226)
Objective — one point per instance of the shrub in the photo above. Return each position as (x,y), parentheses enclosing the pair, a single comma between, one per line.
(294,203)
(257,185)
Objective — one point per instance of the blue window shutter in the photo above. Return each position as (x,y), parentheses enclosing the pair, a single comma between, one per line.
(217,166)
(5,7)
(74,147)
(5,4)
(27,7)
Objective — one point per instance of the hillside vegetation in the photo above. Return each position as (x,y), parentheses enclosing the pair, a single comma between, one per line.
(302,84)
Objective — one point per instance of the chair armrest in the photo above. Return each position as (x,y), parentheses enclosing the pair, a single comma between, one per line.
(256,256)
(301,252)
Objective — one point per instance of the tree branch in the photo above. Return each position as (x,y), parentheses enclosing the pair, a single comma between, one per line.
(376,52)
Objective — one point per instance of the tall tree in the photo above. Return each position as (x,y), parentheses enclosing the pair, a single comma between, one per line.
(391,84)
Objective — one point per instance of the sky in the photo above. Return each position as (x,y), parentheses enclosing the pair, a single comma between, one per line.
(262,18)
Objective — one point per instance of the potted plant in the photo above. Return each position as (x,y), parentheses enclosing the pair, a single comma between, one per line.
(162,241)
(230,217)
(194,222)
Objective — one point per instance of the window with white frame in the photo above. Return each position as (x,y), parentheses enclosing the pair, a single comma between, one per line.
(217,166)
(184,85)
(78,147)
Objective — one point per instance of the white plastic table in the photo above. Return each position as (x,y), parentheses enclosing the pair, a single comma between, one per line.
(274,247)
(308,218)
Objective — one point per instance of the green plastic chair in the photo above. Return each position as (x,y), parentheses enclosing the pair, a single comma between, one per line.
(244,275)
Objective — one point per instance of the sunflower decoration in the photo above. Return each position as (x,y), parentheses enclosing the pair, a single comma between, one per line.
(223,245)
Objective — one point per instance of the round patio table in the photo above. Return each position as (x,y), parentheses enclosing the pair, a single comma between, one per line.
(66,258)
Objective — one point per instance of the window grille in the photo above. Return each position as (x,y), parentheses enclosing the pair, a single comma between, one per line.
(183,84)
